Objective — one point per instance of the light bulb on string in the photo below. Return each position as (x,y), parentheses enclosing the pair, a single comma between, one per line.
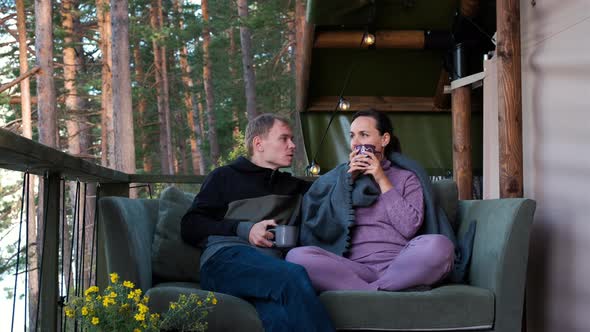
(314,168)
(343,104)
(368,39)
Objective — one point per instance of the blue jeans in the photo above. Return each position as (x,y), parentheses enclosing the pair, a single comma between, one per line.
(281,291)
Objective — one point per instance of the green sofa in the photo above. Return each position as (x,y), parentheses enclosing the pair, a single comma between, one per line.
(142,245)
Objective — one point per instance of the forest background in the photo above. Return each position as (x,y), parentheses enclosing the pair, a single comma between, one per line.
(197,71)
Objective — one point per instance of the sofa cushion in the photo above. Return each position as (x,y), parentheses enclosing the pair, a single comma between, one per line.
(172,259)
(447,307)
(229,314)
(446,196)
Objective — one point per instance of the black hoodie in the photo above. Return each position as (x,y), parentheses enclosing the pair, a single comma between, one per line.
(240,180)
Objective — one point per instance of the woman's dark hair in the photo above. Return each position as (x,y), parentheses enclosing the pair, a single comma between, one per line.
(383,126)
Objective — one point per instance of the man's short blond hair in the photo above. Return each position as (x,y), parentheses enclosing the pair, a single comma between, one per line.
(260,126)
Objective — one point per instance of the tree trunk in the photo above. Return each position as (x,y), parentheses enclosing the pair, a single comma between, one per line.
(141,109)
(234,77)
(103,12)
(46,110)
(189,102)
(208,83)
(46,104)
(165,88)
(25,89)
(301,27)
(27,131)
(249,76)
(166,149)
(72,63)
(201,109)
(122,105)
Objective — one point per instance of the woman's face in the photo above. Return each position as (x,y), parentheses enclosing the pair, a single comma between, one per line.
(363,130)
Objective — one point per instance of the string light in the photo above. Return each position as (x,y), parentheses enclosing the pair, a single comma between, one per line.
(368,39)
(343,104)
(314,168)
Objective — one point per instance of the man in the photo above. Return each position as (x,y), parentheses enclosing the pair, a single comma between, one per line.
(230,216)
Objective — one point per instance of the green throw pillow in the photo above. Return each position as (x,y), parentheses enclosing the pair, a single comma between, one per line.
(172,259)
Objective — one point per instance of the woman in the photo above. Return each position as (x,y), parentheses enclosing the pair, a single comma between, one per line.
(382,250)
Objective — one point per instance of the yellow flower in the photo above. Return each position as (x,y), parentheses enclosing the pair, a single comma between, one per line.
(69,312)
(90,290)
(113,294)
(136,330)
(128,284)
(114,277)
(172,306)
(214,301)
(139,317)
(95,320)
(84,311)
(107,301)
(143,308)
(199,303)
(154,317)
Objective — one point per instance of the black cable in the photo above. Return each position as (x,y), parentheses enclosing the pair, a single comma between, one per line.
(346,80)
(18,251)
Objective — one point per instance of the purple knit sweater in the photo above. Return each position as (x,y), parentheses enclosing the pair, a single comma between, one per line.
(383,229)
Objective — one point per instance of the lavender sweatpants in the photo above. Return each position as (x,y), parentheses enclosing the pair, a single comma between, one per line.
(425,260)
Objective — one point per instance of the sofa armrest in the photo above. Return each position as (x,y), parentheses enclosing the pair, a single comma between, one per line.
(500,253)
(127,225)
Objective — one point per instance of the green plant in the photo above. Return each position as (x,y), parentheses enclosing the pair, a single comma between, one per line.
(121,307)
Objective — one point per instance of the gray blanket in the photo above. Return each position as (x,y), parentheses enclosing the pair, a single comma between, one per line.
(328,212)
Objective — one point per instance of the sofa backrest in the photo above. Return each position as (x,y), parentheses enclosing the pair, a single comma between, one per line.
(128,226)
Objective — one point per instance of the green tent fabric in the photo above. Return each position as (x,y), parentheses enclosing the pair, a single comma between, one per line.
(425,137)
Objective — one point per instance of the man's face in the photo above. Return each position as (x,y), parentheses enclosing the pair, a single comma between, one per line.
(276,149)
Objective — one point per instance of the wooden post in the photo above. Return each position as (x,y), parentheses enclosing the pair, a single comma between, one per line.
(49,266)
(462,168)
(509,97)
(442,100)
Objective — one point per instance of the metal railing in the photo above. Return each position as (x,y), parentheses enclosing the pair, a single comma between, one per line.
(54,168)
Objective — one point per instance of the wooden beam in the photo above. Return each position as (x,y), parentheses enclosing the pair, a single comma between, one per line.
(462,165)
(404,39)
(509,97)
(469,8)
(380,103)
(302,60)
(20,78)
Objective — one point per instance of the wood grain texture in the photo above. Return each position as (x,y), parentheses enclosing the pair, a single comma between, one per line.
(380,103)
(509,98)
(462,163)
(410,39)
